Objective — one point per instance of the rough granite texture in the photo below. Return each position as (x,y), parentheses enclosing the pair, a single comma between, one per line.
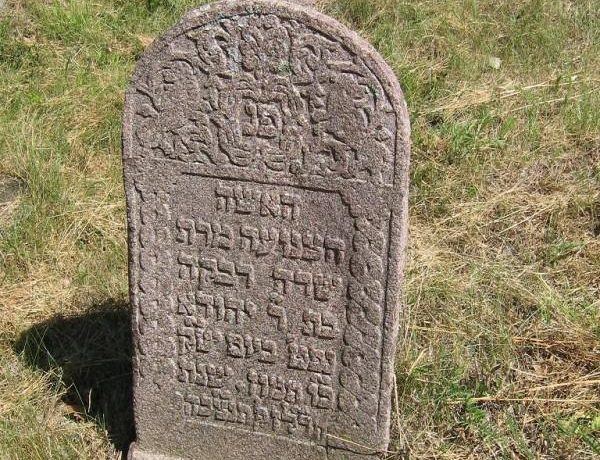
(266,151)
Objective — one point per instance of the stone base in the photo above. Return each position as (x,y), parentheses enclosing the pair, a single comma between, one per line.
(137,454)
(334,454)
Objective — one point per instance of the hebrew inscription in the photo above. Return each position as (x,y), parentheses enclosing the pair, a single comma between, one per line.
(265,157)
(259,307)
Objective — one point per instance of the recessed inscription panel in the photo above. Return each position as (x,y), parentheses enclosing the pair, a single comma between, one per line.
(259,289)
(265,152)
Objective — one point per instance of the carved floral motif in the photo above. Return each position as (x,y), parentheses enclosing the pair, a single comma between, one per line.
(268,94)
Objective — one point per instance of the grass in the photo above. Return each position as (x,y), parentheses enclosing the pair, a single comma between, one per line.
(500,356)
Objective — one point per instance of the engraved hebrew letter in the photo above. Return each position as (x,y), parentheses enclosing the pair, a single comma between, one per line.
(204,339)
(269,351)
(208,270)
(245,271)
(250,308)
(226,270)
(235,345)
(205,302)
(278,312)
(321,392)
(261,415)
(290,206)
(253,387)
(317,359)
(298,356)
(324,285)
(249,238)
(312,246)
(290,418)
(291,242)
(310,320)
(186,369)
(269,205)
(186,336)
(277,386)
(219,308)
(294,392)
(327,326)
(335,250)
(283,279)
(329,364)
(245,200)
(188,269)
(233,309)
(268,241)
(206,406)
(204,228)
(191,406)
(225,237)
(263,380)
(186,304)
(244,413)
(225,198)
(186,231)
(305,279)
(275,418)
(201,374)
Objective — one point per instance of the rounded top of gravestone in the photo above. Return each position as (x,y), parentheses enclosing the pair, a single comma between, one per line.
(236,80)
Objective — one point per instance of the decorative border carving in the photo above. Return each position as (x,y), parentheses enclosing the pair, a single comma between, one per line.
(153,311)
(226,115)
(360,377)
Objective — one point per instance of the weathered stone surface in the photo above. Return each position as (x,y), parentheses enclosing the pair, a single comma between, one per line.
(266,153)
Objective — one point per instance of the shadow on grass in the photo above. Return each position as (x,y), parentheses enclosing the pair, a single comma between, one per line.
(91,355)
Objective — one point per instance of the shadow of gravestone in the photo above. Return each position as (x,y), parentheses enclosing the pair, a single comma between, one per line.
(91,353)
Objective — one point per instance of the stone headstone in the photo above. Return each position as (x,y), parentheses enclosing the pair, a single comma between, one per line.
(266,154)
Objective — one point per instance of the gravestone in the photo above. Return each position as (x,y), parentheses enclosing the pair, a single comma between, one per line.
(266,154)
